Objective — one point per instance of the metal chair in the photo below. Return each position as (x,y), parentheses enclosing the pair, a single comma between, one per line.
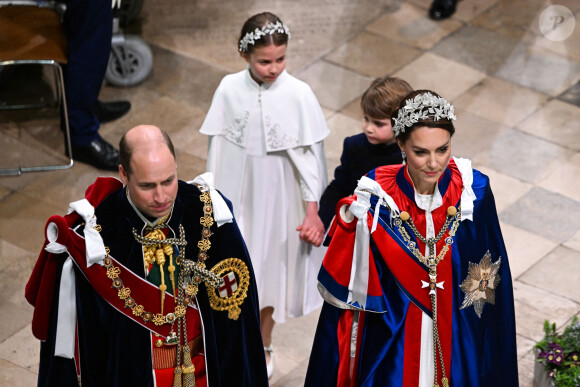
(32,33)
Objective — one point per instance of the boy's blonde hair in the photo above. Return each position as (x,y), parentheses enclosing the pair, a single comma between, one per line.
(383,97)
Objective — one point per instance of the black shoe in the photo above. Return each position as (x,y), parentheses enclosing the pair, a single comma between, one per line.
(442,9)
(98,153)
(110,111)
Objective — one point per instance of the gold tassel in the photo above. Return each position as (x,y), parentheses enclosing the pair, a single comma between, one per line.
(148,255)
(160,258)
(445,382)
(168,249)
(177,371)
(177,377)
(188,368)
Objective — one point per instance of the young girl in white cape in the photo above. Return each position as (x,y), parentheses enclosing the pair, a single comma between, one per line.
(266,132)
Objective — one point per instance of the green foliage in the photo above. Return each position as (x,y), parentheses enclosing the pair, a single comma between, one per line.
(560,353)
(570,377)
(571,335)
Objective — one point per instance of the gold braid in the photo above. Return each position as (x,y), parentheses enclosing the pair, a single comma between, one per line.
(453,215)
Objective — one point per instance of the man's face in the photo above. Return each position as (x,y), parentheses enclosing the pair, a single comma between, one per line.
(153,181)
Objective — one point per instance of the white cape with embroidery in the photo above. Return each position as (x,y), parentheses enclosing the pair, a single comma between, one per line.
(267,156)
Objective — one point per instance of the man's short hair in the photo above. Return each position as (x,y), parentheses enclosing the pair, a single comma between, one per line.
(126,152)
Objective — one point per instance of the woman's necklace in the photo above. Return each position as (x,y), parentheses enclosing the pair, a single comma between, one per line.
(453,215)
(431,261)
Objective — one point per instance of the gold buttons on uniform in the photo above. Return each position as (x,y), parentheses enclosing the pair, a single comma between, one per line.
(451,211)
(405,216)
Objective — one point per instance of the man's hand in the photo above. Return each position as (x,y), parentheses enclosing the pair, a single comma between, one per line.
(312,229)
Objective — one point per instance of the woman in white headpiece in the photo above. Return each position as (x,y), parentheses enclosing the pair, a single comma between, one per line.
(266,132)
(416,280)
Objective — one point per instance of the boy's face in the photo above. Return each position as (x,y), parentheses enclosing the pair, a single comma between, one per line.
(378,131)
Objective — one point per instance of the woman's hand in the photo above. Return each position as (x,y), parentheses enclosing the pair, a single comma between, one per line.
(312,229)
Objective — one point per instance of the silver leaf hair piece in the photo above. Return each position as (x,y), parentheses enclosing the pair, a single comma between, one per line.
(268,29)
(420,108)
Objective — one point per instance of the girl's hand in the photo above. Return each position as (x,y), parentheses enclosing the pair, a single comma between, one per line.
(312,229)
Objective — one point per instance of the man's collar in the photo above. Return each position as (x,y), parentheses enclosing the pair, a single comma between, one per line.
(150,223)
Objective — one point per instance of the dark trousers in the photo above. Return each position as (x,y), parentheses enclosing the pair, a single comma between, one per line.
(88,26)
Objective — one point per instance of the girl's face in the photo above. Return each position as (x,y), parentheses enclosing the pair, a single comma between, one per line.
(428,151)
(266,62)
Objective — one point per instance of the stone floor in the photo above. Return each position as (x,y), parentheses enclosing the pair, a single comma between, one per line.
(516,94)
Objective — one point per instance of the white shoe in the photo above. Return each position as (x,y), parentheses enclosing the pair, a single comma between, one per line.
(270,365)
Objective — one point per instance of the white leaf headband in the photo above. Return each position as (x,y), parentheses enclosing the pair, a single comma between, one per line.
(420,108)
(268,29)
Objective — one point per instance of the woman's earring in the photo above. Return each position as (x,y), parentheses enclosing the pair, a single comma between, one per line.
(404,155)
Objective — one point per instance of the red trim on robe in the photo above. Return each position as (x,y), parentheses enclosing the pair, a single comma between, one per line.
(412,354)
(41,284)
(142,291)
(344,330)
(342,252)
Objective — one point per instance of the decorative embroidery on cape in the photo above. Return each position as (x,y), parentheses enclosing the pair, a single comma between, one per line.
(274,139)
(480,284)
(237,132)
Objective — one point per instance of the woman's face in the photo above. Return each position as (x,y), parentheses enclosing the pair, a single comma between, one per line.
(428,151)
(266,62)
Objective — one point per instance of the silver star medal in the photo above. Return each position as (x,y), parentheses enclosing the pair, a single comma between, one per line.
(480,284)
